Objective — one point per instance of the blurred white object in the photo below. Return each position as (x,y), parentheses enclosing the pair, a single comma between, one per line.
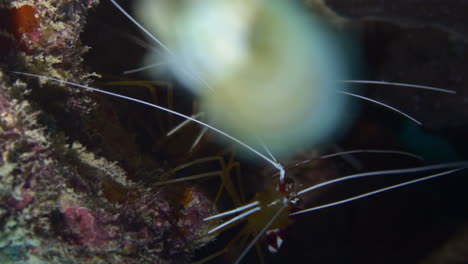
(263,69)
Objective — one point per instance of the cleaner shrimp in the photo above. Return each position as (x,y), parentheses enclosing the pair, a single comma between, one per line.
(283,204)
(270,212)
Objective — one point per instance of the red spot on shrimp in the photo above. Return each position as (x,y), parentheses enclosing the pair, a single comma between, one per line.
(275,239)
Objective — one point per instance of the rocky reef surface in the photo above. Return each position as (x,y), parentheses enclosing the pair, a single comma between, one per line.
(69,193)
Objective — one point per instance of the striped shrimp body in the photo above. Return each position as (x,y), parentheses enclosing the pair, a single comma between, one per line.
(271,211)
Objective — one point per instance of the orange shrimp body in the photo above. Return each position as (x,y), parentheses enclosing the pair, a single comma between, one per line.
(268,213)
(271,202)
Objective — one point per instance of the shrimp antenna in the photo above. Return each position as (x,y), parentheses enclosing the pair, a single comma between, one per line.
(198,139)
(142,28)
(377,151)
(275,164)
(425,87)
(267,150)
(282,171)
(462,164)
(233,211)
(143,68)
(184,123)
(235,219)
(358,151)
(382,104)
(376,191)
(159,42)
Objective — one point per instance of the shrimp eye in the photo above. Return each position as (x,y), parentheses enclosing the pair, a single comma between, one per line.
(287,186)
(296,202)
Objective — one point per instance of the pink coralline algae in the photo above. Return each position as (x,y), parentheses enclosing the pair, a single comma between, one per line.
(24,201)
(84,228)
(196,208)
